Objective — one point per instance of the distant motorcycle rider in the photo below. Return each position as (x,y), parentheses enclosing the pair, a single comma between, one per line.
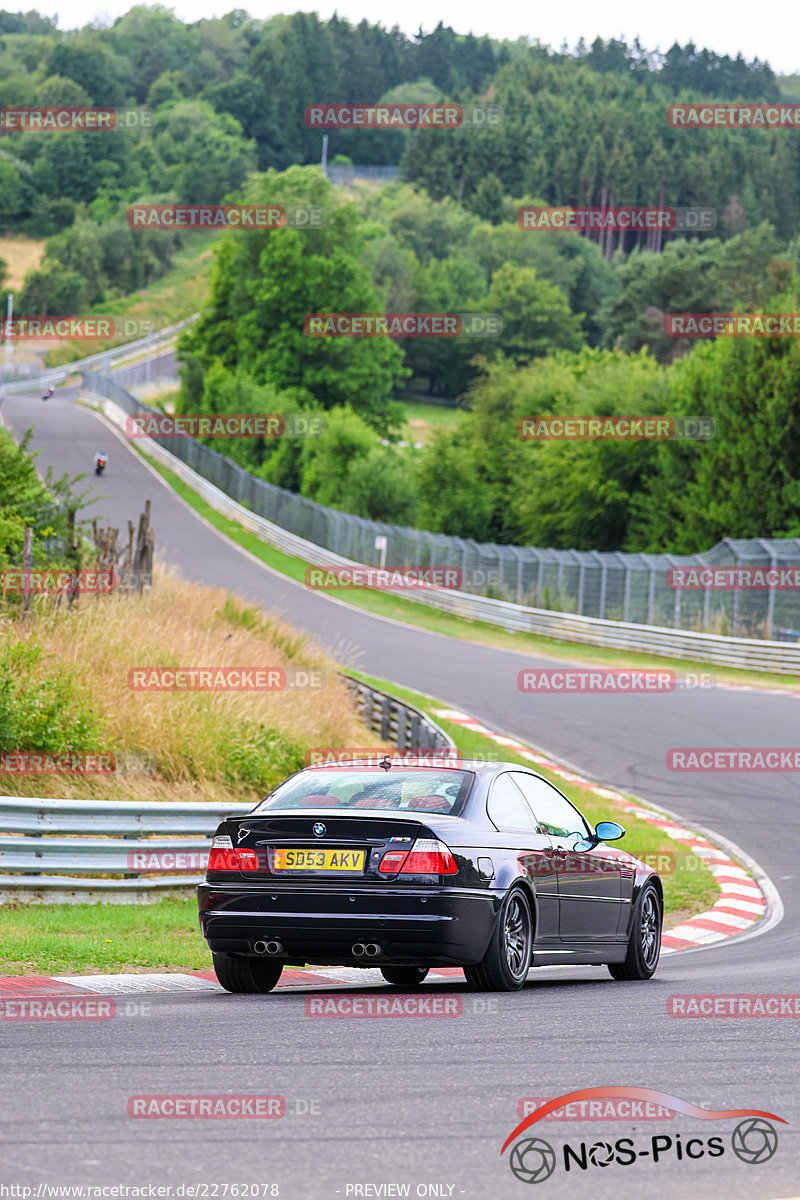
(100,462)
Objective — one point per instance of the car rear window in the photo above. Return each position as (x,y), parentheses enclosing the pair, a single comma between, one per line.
(430,791)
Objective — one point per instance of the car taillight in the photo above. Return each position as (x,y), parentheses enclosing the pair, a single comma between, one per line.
(392,861)
(223,857)
(220,859)
(428,856)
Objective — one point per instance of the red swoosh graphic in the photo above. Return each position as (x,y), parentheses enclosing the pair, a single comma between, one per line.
(637,1093)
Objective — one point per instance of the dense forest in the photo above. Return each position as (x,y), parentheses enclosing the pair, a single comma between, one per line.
(583,329)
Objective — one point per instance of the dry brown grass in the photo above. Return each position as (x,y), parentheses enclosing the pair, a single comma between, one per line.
(21,255)
(206,745)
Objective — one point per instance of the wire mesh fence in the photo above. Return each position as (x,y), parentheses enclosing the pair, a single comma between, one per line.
(617,586)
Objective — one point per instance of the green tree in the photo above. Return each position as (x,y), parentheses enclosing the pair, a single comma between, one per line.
(204,152)
(153,40)
(170,86)
(453,497)
(348,468)
(450,285)
(487,200)
(28,500)
(267,281)
(535,314)
(91,65)
(745,481)
(10,190)
(432,229)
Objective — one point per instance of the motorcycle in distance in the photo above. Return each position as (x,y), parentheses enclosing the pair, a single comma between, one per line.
(100,461)
(47,393)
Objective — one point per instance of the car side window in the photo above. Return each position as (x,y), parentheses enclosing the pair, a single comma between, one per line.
(507,808)
(554,813)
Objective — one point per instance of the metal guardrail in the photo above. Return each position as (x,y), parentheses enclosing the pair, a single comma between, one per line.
(66,850)
(745,653)
(104,359)
(35,859)
(394,721)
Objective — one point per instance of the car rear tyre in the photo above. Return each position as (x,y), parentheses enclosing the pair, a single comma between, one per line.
(504,966)
(404,977)
(644,946)
(239,974)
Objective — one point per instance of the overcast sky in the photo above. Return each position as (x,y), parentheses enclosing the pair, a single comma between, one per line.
(728,29)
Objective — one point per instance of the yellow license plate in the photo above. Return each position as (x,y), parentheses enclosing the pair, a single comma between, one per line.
(318,860)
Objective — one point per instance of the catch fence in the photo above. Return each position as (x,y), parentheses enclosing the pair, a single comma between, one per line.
(605,585)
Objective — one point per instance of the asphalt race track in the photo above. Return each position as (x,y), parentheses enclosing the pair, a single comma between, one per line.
(373,1106)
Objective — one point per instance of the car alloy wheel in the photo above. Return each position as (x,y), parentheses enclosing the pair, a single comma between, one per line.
(517,936)
(504,966)
(644,945)
(650,930)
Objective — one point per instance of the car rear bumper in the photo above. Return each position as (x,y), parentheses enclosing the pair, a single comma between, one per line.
(429,926)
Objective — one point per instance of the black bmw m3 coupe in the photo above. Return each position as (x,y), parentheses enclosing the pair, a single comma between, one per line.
(485,866)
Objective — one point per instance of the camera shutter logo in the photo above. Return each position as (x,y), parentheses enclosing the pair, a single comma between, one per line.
(533,1160)
(754,1140)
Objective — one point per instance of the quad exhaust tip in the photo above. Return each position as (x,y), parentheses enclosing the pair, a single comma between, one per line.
(271,947)
(365,950)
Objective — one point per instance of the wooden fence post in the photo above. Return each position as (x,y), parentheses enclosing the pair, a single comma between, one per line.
(27,563)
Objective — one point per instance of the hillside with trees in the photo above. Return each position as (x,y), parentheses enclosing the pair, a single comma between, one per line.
(583,317)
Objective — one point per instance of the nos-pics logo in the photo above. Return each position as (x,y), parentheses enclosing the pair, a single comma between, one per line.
(533,1160)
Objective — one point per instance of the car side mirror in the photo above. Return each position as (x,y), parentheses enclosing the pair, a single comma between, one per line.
(609,831)
(582,843)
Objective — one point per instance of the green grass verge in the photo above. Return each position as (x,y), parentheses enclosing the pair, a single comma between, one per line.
(56,939)
(386,604)
(422,420)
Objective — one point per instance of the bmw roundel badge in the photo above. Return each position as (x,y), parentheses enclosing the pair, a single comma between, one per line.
(319,829)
